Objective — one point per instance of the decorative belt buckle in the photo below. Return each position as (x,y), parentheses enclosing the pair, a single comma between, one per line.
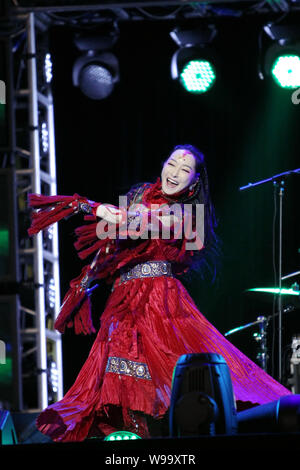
(146,269)
(164,268)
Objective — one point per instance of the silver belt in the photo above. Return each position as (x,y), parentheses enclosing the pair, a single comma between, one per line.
(147,269)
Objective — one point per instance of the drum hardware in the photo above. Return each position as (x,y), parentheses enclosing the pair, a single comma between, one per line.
(294,380)
(296,273)
(261,336)
(279,185)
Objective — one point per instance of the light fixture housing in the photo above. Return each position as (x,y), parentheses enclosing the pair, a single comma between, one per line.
(282,63)
(282,57)
(121,436)
(194,69)
(96,71)
(202,399)
(96,74)
(193,64)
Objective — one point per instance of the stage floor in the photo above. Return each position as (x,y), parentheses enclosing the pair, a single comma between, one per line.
(160,451)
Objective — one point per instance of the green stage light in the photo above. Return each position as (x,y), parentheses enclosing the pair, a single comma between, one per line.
(122,436)
(4,241)
(197,76)
(286,71)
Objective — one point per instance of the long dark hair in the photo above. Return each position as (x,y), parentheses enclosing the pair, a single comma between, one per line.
(207,260)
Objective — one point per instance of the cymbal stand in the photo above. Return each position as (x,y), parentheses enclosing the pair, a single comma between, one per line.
(280,186)
(261,338)
(296,273)
(278,181)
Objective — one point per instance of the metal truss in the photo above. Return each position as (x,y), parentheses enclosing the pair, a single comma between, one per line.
(34,162)
(94,11)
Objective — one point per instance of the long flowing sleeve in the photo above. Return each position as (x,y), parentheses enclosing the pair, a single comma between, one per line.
(114,247)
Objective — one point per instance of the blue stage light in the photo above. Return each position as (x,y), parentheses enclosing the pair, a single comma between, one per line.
(202,399)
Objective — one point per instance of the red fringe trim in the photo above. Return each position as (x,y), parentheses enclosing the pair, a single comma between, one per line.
(76,309)
(51,209)
(83,319)
(71,301)
(87,234)
(88,251)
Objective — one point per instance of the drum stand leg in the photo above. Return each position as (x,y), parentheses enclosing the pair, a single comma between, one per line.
(261,338)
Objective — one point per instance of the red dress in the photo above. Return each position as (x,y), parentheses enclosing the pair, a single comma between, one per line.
(147,324)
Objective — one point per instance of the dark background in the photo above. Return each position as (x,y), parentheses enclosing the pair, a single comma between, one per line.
(248,129)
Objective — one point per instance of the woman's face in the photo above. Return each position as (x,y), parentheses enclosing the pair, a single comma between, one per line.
(178,172)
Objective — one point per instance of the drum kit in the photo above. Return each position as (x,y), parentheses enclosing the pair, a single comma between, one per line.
(286,299)
(291,301)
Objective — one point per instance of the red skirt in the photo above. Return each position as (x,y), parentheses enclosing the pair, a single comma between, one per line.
(146,326)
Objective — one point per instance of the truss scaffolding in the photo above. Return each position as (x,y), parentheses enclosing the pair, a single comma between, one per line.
(32,160)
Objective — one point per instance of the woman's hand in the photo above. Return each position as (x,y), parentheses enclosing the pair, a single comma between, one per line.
(115,215)
(168,220)
(109,213)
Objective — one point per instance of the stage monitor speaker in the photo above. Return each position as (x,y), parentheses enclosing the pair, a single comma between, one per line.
(202,400)
(7,430)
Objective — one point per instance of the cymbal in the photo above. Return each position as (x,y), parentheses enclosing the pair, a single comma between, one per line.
(276,291)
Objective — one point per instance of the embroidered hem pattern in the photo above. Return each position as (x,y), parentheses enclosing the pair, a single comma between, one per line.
(119,365)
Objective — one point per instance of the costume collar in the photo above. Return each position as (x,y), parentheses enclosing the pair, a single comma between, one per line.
(155,194)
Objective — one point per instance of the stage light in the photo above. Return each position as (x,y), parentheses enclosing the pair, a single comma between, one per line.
(54,376)
(44,137)
(202,400)
(282,58)
(122,436)
(193,63)
(51,292)
(96,75)
(197,76)
(97,71)
(286,70)
(48,68)
(280,416)
(4,241)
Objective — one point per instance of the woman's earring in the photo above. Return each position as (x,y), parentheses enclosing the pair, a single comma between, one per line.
(193,185)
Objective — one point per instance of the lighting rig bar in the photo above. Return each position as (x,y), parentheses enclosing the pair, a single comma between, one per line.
(51,5)
(150,10)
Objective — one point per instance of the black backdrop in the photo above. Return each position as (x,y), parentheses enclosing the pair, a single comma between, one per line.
(248,129)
